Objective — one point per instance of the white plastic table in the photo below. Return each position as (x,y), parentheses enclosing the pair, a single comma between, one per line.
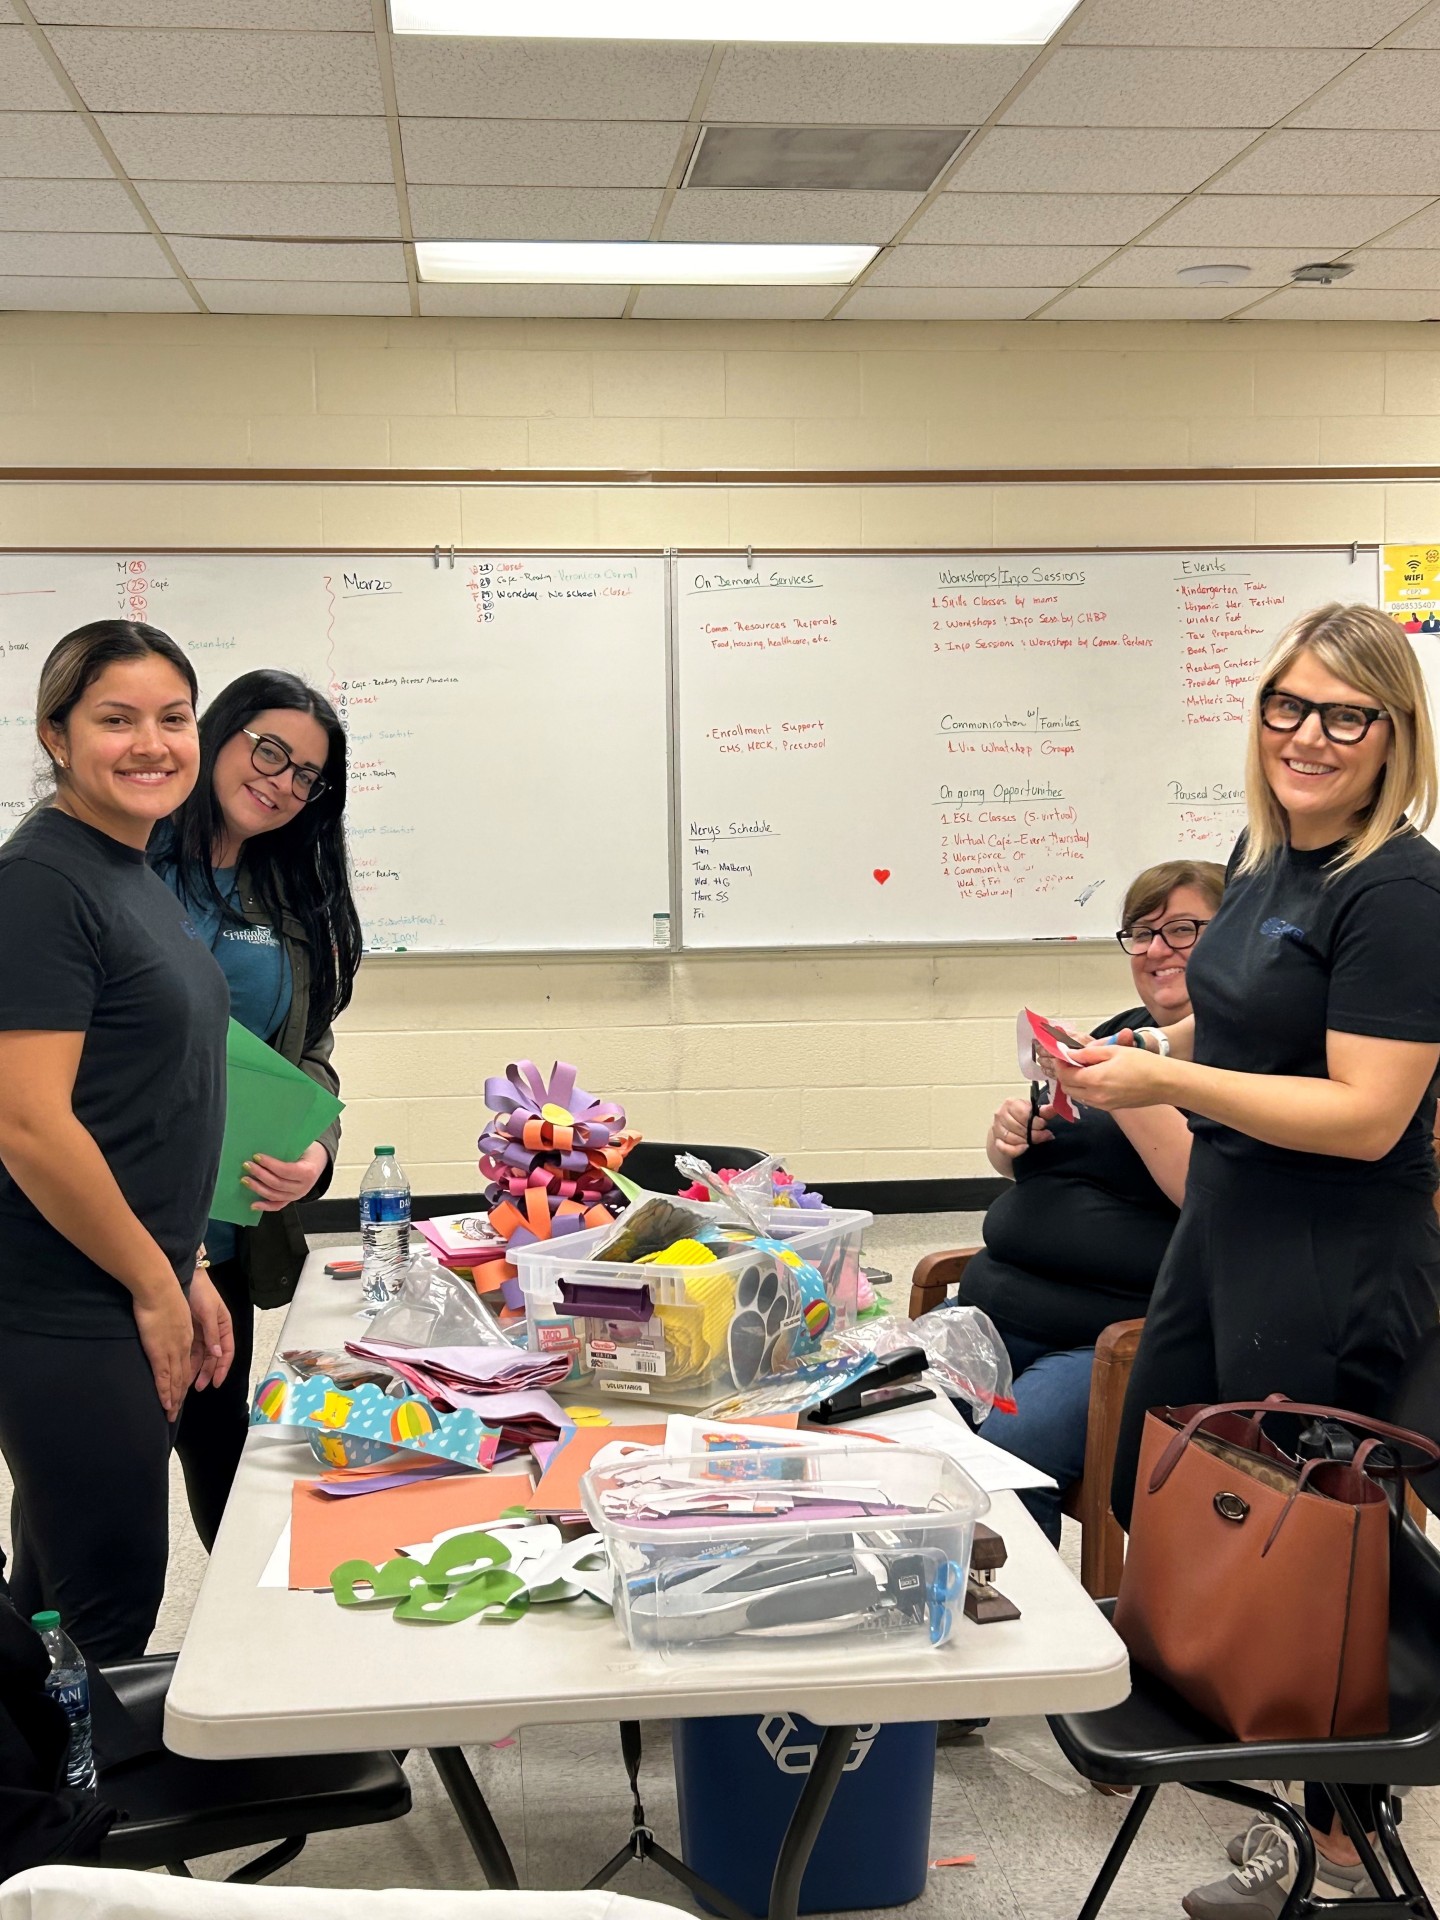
(265,1672)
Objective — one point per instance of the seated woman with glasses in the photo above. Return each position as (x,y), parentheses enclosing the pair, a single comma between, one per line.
(257,857)
(1078,1239)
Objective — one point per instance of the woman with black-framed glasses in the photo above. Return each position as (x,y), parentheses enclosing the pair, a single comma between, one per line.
(1307,1256)
(257,856)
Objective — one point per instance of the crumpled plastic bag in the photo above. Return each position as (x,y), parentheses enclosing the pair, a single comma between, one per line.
(960,1343)
(434,1308)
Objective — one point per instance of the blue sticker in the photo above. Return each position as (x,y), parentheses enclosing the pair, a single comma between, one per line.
(1281,930)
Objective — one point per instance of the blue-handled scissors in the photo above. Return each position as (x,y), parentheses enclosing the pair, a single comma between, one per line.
(948,1586)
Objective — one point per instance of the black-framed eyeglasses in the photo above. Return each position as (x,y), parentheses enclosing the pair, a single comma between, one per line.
(1341,721)
(1178,935)
(268,756)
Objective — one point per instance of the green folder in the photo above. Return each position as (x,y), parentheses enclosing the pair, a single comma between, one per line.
(270,1107)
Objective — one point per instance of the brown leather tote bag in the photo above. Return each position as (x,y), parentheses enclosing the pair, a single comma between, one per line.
(1258,1586)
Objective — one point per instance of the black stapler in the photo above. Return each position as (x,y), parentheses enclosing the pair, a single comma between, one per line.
(880,1390)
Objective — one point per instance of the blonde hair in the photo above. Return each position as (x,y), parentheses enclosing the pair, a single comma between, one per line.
(1370,652)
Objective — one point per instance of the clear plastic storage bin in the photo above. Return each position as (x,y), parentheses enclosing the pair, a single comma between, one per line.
(746,1544)
(683,1336)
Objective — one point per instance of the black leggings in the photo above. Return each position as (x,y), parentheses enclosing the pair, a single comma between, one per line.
(214,1421)
(88,1447)
(1278,1284)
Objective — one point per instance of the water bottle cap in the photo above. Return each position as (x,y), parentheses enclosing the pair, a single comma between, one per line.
(384,1153)
(43,1622)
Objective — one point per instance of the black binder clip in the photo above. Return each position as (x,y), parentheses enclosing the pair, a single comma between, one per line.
(878,1391)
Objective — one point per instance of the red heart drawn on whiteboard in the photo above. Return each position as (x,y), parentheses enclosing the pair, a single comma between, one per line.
(882,874)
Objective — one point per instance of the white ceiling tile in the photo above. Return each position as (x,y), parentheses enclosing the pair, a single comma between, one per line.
(1281,220)
(533,213)
(151,71)
(700,213)
(1388,267)
(548,79)
(68,206)
(1157,266)
(525,303)
(48,146)
(300,296)
(945,303)
(735,303)
(1390,90)
(915,266)
(1425,34)
(1097,160)
(1038,219)
(230,207)
(1422,231)
(1349,303)
(1339,162)
(119,256)
(323,16)
(540,153)
(35,295)
(275,260)
(1165,87)
(1149,303)
(8,15)
(26,83)
(211,146)
(867,86)
(1240,23)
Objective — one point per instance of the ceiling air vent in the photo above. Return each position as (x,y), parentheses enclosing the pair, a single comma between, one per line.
(824,159)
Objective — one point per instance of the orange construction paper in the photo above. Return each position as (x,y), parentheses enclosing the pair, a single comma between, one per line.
(370,1526)
(558,1488)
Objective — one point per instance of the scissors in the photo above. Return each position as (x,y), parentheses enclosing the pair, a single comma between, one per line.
(948,1587)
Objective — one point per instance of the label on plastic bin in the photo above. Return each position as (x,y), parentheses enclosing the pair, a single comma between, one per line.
(610,1384)
(614,1356)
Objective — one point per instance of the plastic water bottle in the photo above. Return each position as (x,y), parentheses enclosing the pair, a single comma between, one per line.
(384,1227)
(70,1685)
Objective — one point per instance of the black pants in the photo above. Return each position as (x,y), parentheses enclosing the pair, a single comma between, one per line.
(88,1447)
(214,1421)
(1278,1284)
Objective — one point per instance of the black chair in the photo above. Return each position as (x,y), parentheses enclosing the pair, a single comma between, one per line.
(169,1809)
(1154,1737)
(651,1164)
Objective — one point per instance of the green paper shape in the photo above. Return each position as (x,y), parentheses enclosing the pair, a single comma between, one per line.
(477,1552)
(392,1582)
(270,1107)
(493,1589)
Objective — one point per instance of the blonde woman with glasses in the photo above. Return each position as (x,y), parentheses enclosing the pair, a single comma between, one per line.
(1307,1256)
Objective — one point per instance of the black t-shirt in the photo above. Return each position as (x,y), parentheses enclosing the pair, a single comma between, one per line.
(96,944)
(1078,1239)
(1294,952)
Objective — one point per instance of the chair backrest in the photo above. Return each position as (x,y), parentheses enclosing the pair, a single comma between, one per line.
(652,1163)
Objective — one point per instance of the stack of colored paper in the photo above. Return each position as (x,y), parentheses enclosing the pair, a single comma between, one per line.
(462,1239)
(503,1386)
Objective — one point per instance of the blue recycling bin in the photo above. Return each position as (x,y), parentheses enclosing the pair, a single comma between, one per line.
(738,1779)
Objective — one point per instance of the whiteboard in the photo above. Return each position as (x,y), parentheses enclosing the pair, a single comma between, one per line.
(507,720)
(968,747)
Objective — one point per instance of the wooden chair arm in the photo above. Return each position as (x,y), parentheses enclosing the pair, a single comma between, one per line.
(934,1275)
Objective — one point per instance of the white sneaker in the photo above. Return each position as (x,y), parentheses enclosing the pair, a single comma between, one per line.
(1258,1887)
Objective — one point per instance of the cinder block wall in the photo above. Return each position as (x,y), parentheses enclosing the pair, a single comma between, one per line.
(853,1065)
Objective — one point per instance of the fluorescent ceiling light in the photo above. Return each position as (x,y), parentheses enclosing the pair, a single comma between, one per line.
(943,23)
(650,263)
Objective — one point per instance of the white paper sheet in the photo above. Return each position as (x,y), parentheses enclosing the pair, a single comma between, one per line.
(276,1572)
(988,1466)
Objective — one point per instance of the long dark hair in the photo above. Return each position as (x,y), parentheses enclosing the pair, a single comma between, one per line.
(77,662)
(301,868)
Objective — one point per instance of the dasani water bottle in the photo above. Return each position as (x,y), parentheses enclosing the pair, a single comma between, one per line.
(70,1685)
(384,1227)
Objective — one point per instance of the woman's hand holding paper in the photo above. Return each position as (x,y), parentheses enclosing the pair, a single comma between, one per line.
(280,1182)
(1117,1075)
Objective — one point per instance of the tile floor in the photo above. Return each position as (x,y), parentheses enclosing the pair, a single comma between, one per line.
(559,1793)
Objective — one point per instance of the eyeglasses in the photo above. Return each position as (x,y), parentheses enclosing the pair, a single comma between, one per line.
(1343,723)
(1178,935)
(268,756)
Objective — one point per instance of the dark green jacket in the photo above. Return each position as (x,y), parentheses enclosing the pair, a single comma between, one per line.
(272,1253)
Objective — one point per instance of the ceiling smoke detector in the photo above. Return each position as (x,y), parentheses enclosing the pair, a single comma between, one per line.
(1220,274)
(1321,273)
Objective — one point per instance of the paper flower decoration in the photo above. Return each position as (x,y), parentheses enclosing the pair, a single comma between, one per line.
(548,1153)
(785,1189)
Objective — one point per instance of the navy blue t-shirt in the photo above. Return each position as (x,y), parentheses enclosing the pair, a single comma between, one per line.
(1295,951)
(98,945)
